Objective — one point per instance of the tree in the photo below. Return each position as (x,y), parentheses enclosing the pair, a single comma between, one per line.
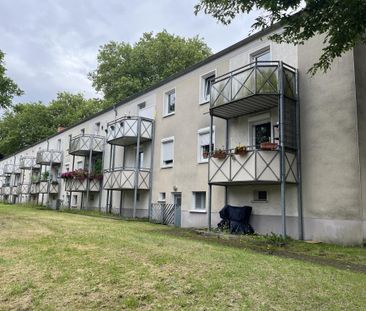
(24,125)
(124,69)
(27,123)
(8,88)
(68,109)
(343,23)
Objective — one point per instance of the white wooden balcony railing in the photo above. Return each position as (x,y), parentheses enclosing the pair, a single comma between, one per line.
(125,178)
(28,162)
(34,188)
(254,166)
(14,190)
(8,169)
(6,190)
(24,188)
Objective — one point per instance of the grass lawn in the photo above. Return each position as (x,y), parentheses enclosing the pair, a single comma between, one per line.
(60,261)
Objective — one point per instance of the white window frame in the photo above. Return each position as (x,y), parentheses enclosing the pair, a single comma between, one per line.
(79,167)
(202,131)
(202,82)
(255,120)
(164,141)
(166,98)
(260,52)
(162,197)
(195,208)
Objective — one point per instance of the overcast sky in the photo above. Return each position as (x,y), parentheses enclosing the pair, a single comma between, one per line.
(51,45)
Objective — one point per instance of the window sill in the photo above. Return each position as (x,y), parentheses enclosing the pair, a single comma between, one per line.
(166,166)
(202,162)
(169,114)
(259,201)
(197,211)
(204,102)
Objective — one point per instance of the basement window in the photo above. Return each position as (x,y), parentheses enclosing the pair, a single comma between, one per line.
(260,196)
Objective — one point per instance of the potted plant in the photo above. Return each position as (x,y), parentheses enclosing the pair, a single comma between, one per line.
(268,146)
(219,153)
(240,150)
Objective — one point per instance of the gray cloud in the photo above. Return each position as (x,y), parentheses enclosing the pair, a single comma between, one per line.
(51,45)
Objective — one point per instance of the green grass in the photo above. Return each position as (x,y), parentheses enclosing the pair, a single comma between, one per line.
(61,261)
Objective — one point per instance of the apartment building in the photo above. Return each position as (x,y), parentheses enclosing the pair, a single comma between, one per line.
(246,126)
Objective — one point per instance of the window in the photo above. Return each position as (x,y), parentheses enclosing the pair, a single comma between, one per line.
(206,82)
(82,131)
(167,152)
(79,165)
(59,144)
(97,128)
(204,144)
(169,103)
(199,200)
(67,167)
(141,160)
(162,197)
(74,199)
(142,105)
(262,55)
(261,133)
(260,196)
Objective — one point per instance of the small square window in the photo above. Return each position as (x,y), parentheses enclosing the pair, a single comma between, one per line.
(162,197)
(199,200)
(169,102)
(262,55)
(261,196)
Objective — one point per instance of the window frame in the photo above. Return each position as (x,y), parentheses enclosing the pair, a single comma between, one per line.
(203,78)
(256,196)
(256,120)
(203,200)
(164,141)
(205,130)
(166,102)
(260,52)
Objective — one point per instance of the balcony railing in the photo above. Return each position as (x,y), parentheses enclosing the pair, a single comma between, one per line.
(81,145)
(253,166)
(125,178)
(27,163)
(6,190)
(234,93)
(8,169)
(81,185)
(53,187)
(34,188)
(24,188)
(14,190)
(46,157)
(125,131)
(17,170)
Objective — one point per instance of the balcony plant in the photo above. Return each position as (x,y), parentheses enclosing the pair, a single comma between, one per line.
(81,175)
(240,150)
(45,176)
(268,146)
(219,153)
(35,179)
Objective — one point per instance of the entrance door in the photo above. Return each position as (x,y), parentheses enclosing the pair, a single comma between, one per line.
(177,200)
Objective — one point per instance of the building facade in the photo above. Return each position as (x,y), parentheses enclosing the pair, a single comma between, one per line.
(247,126)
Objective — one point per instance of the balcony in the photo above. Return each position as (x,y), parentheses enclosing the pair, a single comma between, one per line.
(17,170)
(28,163)
(125,131)
(6,190)
(81,185)
(24,188)
(124,179)
(43,187)
(254,166)
(14,190)
(48,157)
(8,169)
(252,88)
(34,188)
(81,145)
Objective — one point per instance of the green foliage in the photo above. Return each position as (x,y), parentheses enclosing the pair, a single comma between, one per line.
(27,123)
(125,69)
(342,23)
(277,239)
(45,176)
(8,88)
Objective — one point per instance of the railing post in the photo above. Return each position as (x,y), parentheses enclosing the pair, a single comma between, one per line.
(282,151)
(137,167)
